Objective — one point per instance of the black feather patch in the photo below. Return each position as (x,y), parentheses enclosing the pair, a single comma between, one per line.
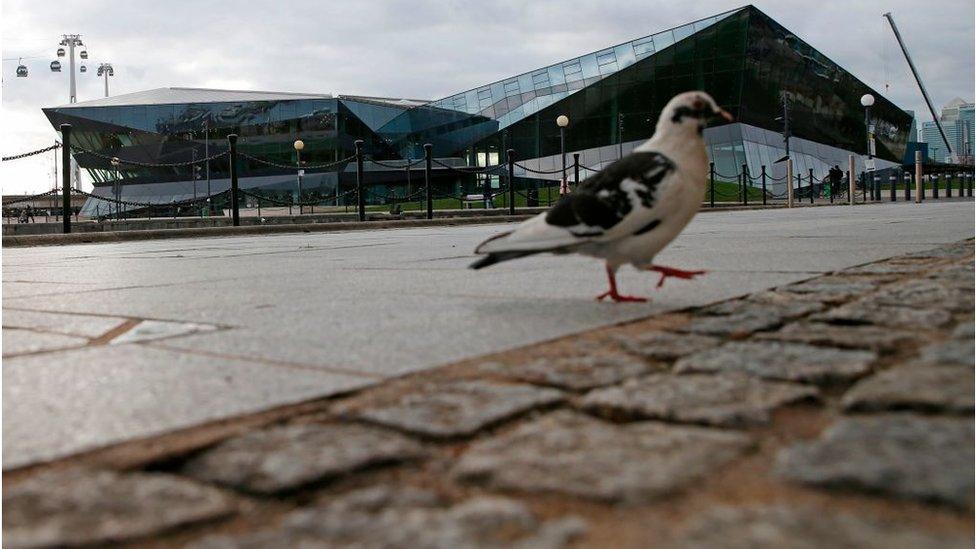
(649,227)
(600,202)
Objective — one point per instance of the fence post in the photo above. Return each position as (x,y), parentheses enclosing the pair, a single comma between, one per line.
(789,182)
(893,180)
(948,185)
(850,179)
(969,185)
(428,150)
(745,184)
(711,186)
(811,185)
(907,176)
(234,206)
(764,184)
(360,196)
(935,186)
(66,178)
(511,180)
(919,189)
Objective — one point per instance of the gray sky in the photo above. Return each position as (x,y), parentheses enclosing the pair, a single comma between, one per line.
(418,49)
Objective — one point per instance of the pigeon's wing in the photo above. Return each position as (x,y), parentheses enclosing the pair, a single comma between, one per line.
(611,204)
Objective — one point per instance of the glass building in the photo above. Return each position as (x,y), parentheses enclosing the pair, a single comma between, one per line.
(613,97)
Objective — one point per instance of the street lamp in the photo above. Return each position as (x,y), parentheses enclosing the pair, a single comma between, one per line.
(299,145)
(116,186)
(562,121)
(867,100)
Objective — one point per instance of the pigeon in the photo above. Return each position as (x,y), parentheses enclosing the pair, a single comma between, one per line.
(632,209)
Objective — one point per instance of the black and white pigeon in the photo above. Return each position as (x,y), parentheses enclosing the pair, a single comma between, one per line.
(631,210)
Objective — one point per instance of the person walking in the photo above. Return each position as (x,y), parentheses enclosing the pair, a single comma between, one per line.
(836,176)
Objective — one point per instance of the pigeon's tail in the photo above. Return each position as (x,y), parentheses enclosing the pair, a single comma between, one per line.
(498,257)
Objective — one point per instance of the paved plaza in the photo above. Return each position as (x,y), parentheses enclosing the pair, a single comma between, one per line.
(113,342)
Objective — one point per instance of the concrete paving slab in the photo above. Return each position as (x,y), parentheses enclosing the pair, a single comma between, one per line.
(383,303)
(69,324)
(19,342)
(65,402)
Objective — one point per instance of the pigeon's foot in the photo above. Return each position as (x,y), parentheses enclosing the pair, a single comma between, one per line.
(672,272)
(617,298)
(612,292)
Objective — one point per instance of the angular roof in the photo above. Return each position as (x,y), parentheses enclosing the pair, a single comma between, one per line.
(168,96)
(511,99)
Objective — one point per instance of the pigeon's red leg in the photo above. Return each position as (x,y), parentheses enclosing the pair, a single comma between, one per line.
(612,292)
(672,272)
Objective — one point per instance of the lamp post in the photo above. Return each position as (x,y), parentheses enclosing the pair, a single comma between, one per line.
(867,100)
(562,121)
(299,145)
(116,187)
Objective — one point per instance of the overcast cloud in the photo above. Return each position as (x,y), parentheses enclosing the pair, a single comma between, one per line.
(417,49)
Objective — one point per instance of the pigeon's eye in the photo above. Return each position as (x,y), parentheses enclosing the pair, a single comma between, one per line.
(698,104)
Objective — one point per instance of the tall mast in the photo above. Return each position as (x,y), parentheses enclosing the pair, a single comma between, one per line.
(918,79)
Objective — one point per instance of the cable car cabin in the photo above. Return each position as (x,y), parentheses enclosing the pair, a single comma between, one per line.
(83,69)
(21,71)
(55,66)
(84,54)
(60,52)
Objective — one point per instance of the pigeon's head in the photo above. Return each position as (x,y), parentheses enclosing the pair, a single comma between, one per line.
(691,111)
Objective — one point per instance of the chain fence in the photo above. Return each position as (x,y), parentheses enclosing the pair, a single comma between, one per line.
(31,153)
(763,186)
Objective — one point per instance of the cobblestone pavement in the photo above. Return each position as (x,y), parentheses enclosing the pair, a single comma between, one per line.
(835,412)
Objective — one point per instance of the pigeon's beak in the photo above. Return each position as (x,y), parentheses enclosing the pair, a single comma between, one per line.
(725,115)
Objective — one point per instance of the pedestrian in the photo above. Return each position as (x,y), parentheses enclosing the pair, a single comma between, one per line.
(29,214)
(836,176)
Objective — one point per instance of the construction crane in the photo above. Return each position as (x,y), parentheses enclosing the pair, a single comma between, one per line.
(918,79)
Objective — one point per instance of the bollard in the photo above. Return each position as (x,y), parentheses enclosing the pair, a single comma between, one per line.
(510,153)
(764,184)
(745,184)
(935,186)
(850,179)
(948,185)
(864,187)
(919,189)
(908,188)
(427,179)
(811,186)
(789,182)
(711,186)
(969,185)
(360,195)
(234,206)
(66,178)
(576,180)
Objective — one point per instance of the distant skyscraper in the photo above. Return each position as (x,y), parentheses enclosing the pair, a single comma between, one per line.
(958,122)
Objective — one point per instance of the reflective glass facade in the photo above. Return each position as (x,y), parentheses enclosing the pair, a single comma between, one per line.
(746,61)
(613,98)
